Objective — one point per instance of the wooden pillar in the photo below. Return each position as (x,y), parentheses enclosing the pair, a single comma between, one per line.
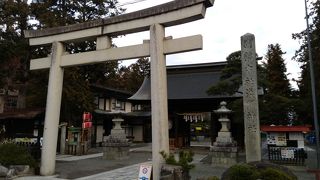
(51,124)
(159,100)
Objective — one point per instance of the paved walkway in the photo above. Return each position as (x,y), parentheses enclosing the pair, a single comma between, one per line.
(93,167)
(125,173)
(77,158)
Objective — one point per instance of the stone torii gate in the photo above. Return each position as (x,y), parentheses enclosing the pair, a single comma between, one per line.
(154,19)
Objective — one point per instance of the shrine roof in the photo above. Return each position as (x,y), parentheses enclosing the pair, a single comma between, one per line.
(188,82)
(107,91)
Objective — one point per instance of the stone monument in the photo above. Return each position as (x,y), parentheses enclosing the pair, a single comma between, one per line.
(116,146)
(250,98)
(224,151)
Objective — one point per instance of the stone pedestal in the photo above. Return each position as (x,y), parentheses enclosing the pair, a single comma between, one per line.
(116,152)
(116,146)
(223,156)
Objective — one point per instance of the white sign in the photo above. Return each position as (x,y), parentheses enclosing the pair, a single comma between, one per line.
(145,172)
(287,153)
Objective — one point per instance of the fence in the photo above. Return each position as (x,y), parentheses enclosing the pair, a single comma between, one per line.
(287,155)
(33,148)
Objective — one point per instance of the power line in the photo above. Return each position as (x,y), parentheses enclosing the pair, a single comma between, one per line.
(131,2)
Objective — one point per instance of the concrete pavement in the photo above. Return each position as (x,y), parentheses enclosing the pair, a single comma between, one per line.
(93,167)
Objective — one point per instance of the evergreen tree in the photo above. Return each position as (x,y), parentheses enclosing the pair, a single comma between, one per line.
(77,96)
(231,81)
(14,50)
(278,105)
(15,53)
(302,56)
(131,77)
(278,82)
(231,76)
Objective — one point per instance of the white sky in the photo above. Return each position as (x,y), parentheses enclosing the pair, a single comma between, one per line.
(271,21)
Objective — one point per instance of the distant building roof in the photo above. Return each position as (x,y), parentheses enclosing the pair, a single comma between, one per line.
(110,92)
(285,128)
(21,114)
(189,81)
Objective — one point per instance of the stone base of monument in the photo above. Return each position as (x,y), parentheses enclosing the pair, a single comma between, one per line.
(223,156)
(224,151)
(116,146)
(116,152)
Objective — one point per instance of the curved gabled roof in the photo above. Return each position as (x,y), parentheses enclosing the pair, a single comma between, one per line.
(187,82)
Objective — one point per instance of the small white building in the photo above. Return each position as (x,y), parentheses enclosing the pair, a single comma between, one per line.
(289,136)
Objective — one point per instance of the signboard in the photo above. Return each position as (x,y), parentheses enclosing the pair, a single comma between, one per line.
(271,139)
(287,153)
(281,140)
(86,125)
(145,172)
(86,116)
(198,128)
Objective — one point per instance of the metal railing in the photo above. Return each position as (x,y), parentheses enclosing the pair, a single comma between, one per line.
(287,155)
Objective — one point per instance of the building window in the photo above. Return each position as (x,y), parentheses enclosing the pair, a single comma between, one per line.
(11,103)
(118,105)
(136,107)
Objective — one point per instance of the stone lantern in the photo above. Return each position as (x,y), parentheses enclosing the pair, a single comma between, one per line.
(224,151)
(224,135)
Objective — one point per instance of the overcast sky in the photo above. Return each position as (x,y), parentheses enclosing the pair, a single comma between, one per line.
(271,21)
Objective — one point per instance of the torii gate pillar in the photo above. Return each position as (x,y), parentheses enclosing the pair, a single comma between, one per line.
(51,125)
(159,100)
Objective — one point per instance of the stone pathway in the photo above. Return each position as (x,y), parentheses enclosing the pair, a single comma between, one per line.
(128,173)
(76,158)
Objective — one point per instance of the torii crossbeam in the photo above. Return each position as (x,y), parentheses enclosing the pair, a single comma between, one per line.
(154,19)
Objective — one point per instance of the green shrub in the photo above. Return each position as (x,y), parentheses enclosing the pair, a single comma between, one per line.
(185,158)
(243,172)
(275,174)
(12,154)
(209,178)
(258,170)
(213,178)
